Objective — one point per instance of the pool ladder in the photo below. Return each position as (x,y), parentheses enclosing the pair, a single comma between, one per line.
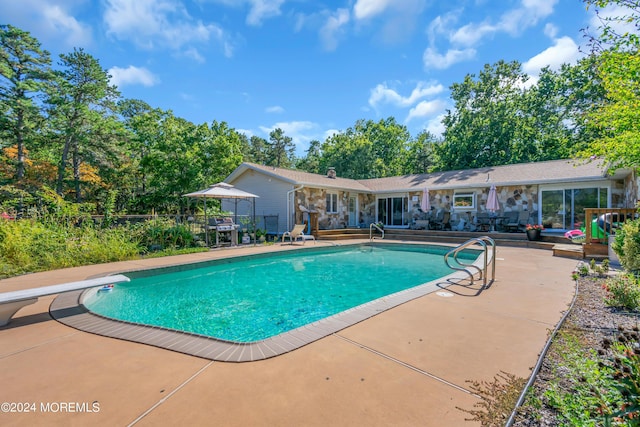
(484,242)
(371,228)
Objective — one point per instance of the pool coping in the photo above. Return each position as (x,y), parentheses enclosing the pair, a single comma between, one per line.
(68,309)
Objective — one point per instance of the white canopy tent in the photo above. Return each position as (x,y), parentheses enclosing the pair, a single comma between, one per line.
(222,190)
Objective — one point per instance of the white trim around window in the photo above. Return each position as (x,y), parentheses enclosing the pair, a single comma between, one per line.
(332,203)
(464,201)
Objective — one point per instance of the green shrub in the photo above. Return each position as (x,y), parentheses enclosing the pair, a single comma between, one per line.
(623,290)
(625,375)
(161,234)
(29,245)
(627,245)
(582,389)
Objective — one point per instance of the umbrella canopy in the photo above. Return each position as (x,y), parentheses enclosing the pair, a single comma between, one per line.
(222,190)
(426,204)
(492,200)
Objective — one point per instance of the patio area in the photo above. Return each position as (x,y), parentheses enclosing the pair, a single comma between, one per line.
(406,366)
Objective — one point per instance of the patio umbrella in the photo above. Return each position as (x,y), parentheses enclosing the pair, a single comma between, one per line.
(426,204)
(492,200)
(221,190)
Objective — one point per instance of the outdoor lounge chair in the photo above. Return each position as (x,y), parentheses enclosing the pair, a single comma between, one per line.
(516,221)
(442,221)
(483,222)
(298,233)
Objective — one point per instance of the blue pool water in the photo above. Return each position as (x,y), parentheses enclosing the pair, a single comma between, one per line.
(252,298)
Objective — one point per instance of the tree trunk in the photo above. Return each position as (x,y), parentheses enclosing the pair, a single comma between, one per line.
(76,174)
(63,164)
(20,170)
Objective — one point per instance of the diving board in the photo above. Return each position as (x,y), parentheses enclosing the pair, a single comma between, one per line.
(11,302)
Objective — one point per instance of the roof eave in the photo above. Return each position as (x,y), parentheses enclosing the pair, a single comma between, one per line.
(489,184)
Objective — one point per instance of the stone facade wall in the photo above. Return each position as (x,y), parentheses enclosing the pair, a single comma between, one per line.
(512,198)
(367,206)
(315,200)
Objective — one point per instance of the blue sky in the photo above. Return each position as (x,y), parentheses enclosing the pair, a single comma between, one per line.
(308,67)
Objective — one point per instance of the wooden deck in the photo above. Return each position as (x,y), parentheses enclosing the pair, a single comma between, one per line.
(558,244)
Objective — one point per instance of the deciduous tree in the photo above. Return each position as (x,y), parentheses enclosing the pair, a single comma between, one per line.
(367,150)
(482,127)
(618,46)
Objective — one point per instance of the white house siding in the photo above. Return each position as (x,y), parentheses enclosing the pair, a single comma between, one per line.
(272,200)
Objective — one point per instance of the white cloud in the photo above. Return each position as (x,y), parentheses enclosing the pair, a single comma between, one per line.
(248,132)
(159,23)
(329,133)
(398,18)
(192,53)
(259,10)
(364,9)
(551,31)
(432,59)
(513,22)
(263,9)
(275,109)
(51,23)
(528,14)
(76,33)
(425,109)
(132,76)
(435,126)
(382,94)
(333,27)
(471,34)
(442,24)
(563,51)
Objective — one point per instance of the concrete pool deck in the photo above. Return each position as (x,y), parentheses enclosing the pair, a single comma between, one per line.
(406,366)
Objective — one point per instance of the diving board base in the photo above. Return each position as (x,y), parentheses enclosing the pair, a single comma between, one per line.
(7,310)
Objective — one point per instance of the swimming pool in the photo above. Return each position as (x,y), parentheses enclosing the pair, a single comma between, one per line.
(249,299)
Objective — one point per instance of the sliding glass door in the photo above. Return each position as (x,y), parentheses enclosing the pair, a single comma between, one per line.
(393,211)
(564,208)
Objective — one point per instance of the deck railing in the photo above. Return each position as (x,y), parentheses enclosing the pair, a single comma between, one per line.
(598,231)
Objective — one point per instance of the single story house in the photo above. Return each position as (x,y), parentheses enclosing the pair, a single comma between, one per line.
(554,193)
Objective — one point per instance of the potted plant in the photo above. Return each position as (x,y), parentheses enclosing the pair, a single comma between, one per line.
(533,231)
(261,235)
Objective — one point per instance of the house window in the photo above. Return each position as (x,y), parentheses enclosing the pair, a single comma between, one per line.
(332,203)
(464,201)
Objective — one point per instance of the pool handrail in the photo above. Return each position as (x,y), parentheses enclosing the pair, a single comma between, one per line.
(371,227)
(482,241)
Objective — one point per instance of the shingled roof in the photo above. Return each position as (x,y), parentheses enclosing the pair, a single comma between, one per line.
(553,171)
(296,177)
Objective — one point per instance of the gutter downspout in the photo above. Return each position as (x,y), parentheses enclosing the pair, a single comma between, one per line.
(290,204)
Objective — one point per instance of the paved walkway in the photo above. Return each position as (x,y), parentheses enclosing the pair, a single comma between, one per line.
(408,366)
